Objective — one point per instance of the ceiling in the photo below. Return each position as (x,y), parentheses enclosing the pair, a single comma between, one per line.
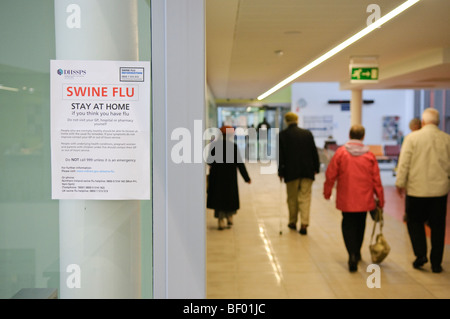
(244,38)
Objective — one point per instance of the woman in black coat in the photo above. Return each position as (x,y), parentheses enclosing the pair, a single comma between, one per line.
(224,160)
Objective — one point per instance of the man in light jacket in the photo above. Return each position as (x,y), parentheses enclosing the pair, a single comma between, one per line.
(356,171)
(423,174)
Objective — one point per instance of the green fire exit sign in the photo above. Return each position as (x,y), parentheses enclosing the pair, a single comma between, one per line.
(364,74)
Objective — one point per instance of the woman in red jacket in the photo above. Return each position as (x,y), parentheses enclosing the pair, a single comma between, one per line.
(356,171)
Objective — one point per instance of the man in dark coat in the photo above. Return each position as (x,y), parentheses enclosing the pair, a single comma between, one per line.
(297,164)
(223,194)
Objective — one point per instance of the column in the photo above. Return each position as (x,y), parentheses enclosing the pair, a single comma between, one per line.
(356,107)
(99,240)
(179,101)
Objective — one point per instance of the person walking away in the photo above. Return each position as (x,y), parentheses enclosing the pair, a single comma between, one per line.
(263,133)
(222,193)
(423,178)
(356,171)
(414,125)
(298,163)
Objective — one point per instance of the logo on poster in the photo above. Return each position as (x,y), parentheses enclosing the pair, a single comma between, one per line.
(71,73)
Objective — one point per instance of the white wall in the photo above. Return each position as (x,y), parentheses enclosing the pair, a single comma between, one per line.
(312,99)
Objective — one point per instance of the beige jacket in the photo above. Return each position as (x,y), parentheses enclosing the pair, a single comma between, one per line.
(424,163)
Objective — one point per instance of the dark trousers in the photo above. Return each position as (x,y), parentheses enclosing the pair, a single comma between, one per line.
(432,210)
(353,227)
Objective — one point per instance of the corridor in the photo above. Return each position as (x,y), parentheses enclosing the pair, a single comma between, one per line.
(259,257)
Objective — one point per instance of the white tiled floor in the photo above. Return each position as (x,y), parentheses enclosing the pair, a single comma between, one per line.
(260,258)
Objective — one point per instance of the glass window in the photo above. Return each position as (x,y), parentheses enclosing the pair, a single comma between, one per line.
(29,238)
(29,222)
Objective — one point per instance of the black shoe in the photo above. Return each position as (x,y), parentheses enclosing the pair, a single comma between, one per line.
(419,262)
(436,269)
(302,231)
(292,226)
(353,263)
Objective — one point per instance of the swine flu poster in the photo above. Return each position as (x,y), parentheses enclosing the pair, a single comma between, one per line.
(100,129)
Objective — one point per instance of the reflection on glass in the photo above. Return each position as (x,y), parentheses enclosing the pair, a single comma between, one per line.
(29,236)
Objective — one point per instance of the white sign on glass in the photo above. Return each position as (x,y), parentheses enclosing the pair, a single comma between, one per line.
(100,129)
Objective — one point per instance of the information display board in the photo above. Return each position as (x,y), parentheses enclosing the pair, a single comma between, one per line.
(100,129)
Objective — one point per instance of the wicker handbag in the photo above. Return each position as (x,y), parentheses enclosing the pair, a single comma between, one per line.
(380,248)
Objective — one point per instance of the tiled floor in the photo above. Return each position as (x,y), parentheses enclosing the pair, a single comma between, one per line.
(260,258)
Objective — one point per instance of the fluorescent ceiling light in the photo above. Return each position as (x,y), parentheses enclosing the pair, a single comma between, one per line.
(7,88)
(341,46)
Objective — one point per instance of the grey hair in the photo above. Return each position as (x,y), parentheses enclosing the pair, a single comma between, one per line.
(430,116)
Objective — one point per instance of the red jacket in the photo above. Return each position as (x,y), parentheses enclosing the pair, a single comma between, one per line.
(356,171)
